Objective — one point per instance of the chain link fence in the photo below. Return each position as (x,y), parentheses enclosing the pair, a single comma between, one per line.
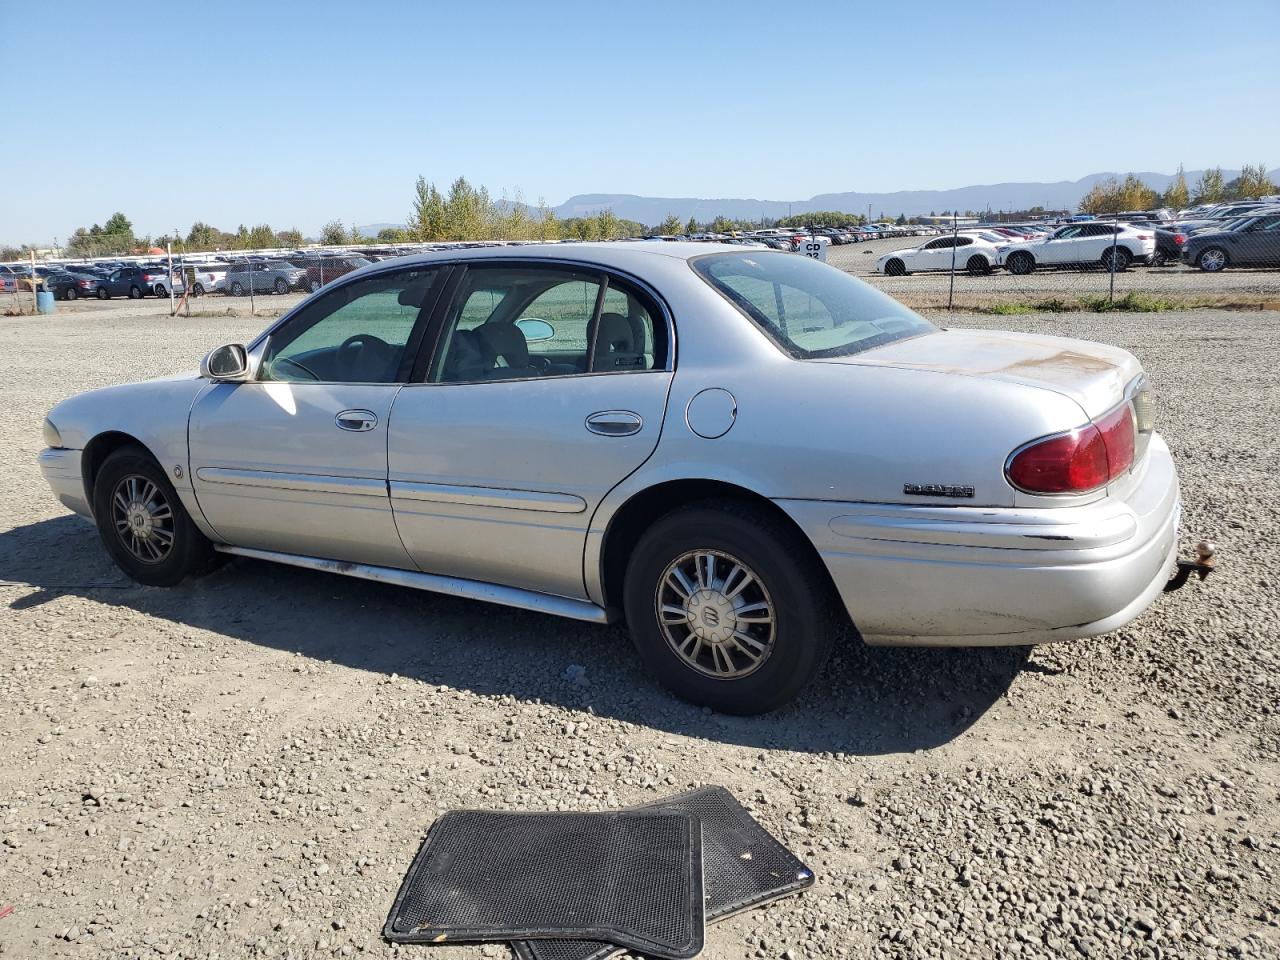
(1221,255)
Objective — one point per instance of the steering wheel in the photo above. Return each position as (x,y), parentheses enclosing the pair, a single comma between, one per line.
(311,374)
(355,347)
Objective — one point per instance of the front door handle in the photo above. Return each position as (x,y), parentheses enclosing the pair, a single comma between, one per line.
(357,421)
(615,423)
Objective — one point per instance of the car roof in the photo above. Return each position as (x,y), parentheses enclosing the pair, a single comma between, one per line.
(622,255)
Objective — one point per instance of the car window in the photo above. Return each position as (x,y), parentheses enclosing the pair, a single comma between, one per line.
(513,322)
(356,333)
(808,308)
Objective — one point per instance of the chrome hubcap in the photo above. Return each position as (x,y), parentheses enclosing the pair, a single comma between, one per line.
(143,518)
(716,614)
(1213,259)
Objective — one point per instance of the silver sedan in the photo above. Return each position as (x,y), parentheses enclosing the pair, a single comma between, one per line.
(735,450)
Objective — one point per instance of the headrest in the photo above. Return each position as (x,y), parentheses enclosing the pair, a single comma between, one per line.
(503,340)
(465,359)
(615,334)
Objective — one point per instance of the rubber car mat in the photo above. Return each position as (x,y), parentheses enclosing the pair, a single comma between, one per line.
(743,867)
(626,878)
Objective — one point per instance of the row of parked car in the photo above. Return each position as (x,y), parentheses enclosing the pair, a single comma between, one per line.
(1244,234)
(105,280)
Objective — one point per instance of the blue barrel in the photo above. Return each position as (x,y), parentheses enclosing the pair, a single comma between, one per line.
(44,302)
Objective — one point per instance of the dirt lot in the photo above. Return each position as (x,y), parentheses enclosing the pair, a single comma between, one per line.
(244,766)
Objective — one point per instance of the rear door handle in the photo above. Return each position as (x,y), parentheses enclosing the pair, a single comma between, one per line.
(615,423)
(357,421)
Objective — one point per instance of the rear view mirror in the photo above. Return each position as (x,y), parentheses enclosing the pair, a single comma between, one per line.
(535,329)
(229,362)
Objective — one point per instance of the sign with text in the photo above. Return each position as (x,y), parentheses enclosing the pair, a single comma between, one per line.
(815,247)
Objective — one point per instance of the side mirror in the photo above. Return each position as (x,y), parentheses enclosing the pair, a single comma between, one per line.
(535,329)
(229,362)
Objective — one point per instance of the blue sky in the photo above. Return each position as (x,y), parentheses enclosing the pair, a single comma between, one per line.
(305,112)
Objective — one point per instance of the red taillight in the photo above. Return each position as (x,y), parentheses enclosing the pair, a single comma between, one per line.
(1118,435)
(1079,461)
(84,283)
(1179,239)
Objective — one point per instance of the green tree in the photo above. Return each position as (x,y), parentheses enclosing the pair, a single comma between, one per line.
(333,233)
(548,222)
(722,224)
(1210,188)
(670,227)
(393,235)
(608,225)
(241,239)
(1253,182)
(1178,197)
(290,238)
(201,236)
(691,226)
(262,237)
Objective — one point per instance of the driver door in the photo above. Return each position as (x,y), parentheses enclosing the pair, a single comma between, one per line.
(296,460)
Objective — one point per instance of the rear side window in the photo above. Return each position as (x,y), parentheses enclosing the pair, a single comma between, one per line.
(807,308)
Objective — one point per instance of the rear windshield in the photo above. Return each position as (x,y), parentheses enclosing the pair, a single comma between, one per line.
(808,308)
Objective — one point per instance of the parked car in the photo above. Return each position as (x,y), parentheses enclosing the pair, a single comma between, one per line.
(1085,244)
(973,253)
(325,269)
(1250,242)
(207,277)
(509,424)
(68,285)
(8,279)
(265,277)
(132,282)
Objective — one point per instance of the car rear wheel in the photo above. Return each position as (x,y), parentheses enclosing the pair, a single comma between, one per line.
(160,290)
(237,290)
(1212,260)
(282,287)
(895,268)
(315,285)
(198,290)
(729,607)
(1117,259)
(978,266)
(1021,263)
(103,294)
(142,523)
(70,293)
(135,293)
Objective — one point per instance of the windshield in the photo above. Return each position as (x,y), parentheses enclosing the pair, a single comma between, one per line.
(808,308)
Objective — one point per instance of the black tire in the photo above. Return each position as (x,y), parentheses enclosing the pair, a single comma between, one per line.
(70,293)
(315,285)
(785,570)
(160,290)
(1116,260)
(237,290)
(281,286)
(895,268)
(135,293)
(1212,259)
(104,293)
(187,551)
(978,266)
(1021,263)
(197,290)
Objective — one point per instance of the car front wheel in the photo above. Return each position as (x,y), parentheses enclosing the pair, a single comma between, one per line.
(237,290)
(104,293)
(729,607)
(895,268)
(978,266)
(143,524)
(1021,263)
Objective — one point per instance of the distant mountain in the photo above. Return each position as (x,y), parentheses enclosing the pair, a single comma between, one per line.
(1063,195)
(372,229)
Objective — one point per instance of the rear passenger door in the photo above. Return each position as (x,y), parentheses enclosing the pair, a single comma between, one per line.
(545,386)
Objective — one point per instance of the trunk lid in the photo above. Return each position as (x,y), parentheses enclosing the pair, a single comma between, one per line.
(1093,374)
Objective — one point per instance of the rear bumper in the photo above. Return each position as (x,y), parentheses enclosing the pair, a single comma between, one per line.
(971,576)
(61,470)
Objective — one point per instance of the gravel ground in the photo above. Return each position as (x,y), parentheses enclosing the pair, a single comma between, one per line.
(244,766)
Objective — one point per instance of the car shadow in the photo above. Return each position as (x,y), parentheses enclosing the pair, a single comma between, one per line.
(868,701)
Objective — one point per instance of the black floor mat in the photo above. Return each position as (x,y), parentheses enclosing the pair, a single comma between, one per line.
(626,878)
(743,867)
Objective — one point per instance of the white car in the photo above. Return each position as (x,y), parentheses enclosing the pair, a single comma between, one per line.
(1113,246)
(973,252)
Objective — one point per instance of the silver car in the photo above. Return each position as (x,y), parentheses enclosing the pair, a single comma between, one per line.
(735,450)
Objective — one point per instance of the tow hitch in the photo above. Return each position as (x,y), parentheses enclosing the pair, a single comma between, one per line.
(1202,565)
